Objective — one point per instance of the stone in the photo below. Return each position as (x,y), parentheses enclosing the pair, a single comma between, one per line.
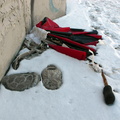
(20,81)
(52,77)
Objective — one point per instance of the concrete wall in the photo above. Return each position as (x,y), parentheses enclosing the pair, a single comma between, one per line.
(48,8)
(15,22)
(12,30)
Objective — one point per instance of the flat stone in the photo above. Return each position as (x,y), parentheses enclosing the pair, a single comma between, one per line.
(20,81)
(52,77)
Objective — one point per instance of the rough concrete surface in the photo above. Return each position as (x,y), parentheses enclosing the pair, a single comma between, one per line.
(21,81)
(52,77)
(48,8)
(12,31)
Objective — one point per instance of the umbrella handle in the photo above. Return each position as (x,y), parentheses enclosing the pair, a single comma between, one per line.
(109,96)
(104,78)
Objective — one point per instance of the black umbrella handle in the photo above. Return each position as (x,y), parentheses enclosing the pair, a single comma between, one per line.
(109,97)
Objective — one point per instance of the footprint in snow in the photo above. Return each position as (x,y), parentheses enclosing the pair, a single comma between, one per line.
(97,26)
(116,90)
(118,47)
(93,18)
(98,10)
(107,32)
(115,74)
(114,20)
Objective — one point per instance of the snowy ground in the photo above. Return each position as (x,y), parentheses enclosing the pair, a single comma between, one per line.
(80,97)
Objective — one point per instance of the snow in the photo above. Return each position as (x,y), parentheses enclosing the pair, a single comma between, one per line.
(80,97)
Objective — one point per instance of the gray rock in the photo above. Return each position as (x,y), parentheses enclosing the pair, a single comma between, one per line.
(20,81)
(52,77)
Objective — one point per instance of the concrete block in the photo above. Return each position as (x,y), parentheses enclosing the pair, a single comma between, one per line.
(48,8)
(12,31)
